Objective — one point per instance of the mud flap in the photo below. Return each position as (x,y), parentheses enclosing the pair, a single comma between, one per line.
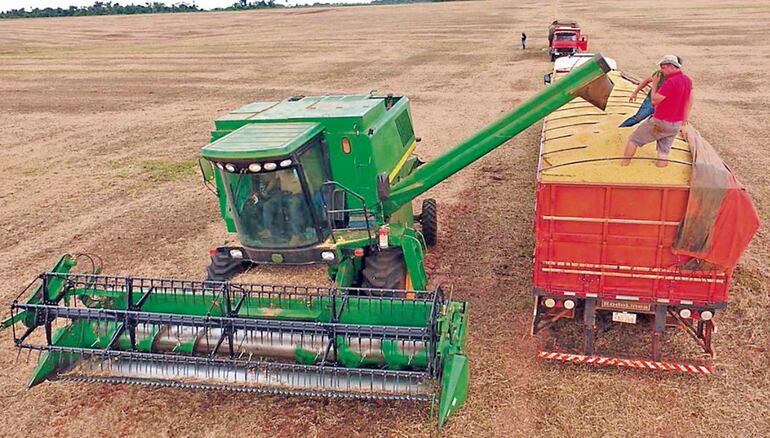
(345,273)
(454,386)
(413,258)
(536,316)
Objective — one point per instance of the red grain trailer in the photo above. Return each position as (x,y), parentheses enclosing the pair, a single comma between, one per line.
(565,38)
(632,245)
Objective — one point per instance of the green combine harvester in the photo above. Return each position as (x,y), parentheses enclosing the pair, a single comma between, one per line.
(326,179)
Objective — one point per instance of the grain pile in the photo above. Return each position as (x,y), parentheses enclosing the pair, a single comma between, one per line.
(584,144)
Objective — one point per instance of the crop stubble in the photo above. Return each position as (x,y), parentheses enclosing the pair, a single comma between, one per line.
(88,101)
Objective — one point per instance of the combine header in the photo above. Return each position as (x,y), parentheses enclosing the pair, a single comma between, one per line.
(292,340)
(326,179)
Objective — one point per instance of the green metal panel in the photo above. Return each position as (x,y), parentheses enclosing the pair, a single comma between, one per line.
(406,237)
(455,373)
(454,386)
(263,141)
(322,107)
(363,108)
(252,109)
(50,361)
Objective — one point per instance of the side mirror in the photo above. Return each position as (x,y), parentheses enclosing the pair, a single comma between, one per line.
(383,186)
(207,172)
(547,79)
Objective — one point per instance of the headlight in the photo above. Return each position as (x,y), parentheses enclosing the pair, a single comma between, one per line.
(685,313)
(706,315)
(230,167)
(254,167)
(327,256)
(236,253)
(270,166)
(569,304)
(285,163)
(550,303)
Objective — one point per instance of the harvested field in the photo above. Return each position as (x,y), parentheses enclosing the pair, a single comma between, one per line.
(103,118)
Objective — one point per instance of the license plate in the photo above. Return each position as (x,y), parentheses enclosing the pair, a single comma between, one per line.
(625,306)
(628,318)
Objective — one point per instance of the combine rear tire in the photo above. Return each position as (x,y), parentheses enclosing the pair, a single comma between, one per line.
(224,267)
(384,270)
(429,221)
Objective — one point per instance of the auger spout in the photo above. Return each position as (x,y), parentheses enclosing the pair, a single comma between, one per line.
(589,81)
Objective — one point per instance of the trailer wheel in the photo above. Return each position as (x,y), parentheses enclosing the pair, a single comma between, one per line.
(429,221)
(384,270)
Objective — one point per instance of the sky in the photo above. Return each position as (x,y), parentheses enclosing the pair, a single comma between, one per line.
(205,4)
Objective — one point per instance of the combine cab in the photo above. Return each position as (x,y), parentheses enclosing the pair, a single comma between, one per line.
(565,39)
(326,179)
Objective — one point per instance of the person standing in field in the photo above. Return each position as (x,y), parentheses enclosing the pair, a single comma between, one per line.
(645,109)
(523,41)
(671,103)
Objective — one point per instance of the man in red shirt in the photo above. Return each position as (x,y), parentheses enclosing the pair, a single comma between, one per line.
(672,103)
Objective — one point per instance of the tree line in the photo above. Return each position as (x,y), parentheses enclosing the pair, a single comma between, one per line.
(110,8)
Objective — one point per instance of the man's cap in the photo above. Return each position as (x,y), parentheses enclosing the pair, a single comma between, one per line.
(670,59)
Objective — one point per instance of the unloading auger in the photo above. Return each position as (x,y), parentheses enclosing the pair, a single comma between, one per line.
(307,180)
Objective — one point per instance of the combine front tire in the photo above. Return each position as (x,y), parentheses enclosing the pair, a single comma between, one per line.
(384,270)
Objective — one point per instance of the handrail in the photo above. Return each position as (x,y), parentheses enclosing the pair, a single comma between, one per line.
(365,211)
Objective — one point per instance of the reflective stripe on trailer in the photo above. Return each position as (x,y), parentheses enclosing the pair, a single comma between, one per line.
(621,362)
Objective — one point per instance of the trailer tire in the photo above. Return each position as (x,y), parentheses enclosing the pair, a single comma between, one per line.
(429,221)
(384,270)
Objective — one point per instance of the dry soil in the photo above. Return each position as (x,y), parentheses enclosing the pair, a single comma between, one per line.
(102,119)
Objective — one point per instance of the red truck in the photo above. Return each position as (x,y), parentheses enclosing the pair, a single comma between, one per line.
(637,245)
(565,39)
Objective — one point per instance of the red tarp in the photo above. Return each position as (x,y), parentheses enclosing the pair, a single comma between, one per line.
(720,219)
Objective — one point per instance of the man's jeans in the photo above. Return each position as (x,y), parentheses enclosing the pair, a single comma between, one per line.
(645,110)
